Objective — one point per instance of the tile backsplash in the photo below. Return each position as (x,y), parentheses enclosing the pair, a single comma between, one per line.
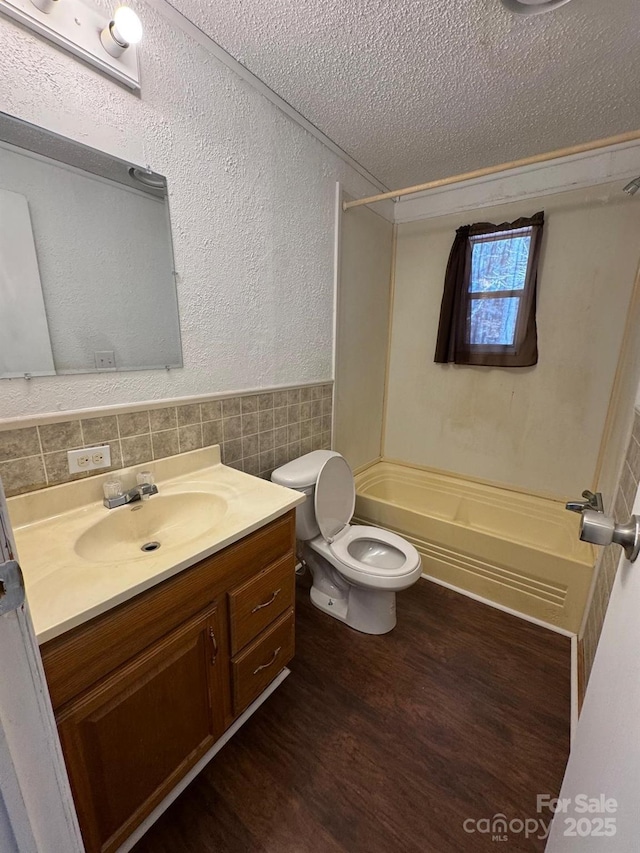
(256,433)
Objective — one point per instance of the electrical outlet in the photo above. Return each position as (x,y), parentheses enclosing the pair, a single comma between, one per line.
(105,360)
(89,458)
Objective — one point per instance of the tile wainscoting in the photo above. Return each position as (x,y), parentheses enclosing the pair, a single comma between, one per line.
(256,432)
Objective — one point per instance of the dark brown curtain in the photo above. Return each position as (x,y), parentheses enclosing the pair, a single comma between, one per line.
(453,331)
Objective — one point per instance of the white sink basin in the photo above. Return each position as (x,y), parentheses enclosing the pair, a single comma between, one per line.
(138,530)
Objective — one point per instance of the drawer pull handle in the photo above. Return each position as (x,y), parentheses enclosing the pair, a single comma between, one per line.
(214,645)
(267,603)
(271,662)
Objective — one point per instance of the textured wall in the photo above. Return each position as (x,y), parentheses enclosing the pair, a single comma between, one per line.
(421,89)
(534,428)
(252,207)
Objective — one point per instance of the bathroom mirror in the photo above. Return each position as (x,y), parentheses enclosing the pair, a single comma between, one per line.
(87,280)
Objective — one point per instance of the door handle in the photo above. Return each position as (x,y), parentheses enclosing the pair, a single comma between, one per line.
(600,529)
(214,645)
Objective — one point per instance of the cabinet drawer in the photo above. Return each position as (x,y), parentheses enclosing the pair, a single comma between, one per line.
(259,601)
(259,664)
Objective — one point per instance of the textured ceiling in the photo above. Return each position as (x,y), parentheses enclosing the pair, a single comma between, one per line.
(420,89)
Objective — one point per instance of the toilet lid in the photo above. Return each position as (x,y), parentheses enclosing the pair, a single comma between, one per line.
(335,497)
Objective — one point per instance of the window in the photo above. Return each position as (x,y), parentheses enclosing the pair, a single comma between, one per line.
(488,306)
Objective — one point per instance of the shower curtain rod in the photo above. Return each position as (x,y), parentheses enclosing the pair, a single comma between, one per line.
(630,136)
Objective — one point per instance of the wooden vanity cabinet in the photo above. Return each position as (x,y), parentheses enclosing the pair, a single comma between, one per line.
(143,692)
(129,739)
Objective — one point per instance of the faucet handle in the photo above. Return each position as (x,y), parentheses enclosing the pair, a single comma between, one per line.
(146,485)
(593,501)
(112,489)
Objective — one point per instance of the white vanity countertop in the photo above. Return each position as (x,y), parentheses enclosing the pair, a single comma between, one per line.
(65,588)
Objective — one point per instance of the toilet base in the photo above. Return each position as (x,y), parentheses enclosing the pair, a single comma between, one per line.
(370,611)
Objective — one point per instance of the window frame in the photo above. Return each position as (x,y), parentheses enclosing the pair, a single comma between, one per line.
(454,330)
(523,294)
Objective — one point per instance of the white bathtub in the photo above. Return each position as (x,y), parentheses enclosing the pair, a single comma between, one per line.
(519,550)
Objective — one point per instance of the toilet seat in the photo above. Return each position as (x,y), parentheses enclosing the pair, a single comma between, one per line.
(369,556)
(373,551)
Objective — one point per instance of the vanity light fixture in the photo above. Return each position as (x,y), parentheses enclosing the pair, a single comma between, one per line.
(532,7)
(121,32)
(148,178)
(106,41)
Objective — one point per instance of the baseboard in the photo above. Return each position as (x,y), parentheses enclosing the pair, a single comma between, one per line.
(190,776)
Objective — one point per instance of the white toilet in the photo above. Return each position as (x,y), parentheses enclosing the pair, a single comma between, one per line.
(356,570)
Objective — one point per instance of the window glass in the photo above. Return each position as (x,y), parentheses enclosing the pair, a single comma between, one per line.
(499,264)
(493,321)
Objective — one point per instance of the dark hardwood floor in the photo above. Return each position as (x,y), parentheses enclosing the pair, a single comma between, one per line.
(385,744)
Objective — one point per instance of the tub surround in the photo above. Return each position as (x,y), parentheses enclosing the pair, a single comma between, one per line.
(366,243)
(519,426)
(65,589)
(256,431)
(518,550)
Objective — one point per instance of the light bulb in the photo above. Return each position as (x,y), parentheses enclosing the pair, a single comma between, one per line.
(533,7)
(46,6)
(126,28)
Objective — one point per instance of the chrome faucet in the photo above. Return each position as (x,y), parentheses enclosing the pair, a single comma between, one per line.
(114,496)
(592,501)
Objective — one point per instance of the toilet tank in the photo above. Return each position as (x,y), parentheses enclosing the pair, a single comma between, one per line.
(301,474)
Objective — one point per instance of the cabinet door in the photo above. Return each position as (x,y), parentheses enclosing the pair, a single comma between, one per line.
(129,739)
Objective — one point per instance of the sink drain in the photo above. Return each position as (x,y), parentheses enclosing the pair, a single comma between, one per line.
(150,546)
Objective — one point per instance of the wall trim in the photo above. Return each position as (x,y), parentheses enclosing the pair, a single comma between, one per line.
(337,253)
(124,408)
(572,172)
(177,19)
(387,366)
(362,468)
